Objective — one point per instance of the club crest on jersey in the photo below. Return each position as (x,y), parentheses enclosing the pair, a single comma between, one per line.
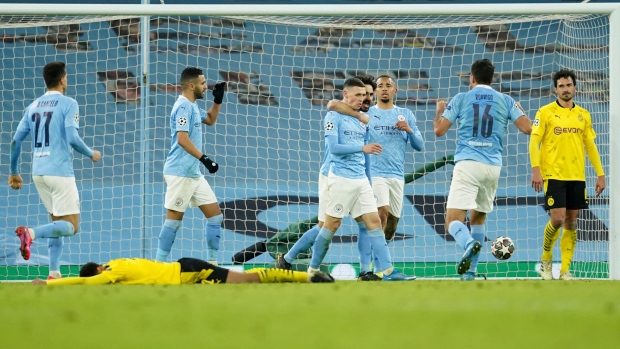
(182,121)
(401,118)
(580,117)
(76,117)
(329,126)
(179,202)
(338,208)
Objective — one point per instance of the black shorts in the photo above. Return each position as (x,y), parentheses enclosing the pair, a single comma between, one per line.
(565,194)
(197,271)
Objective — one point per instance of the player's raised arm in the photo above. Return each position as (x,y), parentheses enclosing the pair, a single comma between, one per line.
(210,117)
(523,123)
(440,123)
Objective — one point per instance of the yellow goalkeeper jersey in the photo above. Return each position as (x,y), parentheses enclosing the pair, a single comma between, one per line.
(130,271)
(563,131)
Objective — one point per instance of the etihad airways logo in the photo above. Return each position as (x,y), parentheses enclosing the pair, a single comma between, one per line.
(559,130)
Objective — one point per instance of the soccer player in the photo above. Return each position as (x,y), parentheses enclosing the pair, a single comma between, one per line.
(348,182)
(307,239)
(137,271)
(185,183)
(561,131)
(392,127)
(482,115)
(53,120)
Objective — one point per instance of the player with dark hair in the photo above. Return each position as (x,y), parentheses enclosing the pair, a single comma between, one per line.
(185,183)
(561,131)
(391,127)
(137,271)
(307,239)
(348,182)
(482,115)
(53,120)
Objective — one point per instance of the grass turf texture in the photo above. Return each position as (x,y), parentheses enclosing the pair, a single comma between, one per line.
(419,314)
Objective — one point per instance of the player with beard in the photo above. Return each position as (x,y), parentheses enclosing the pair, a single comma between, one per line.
(185,183)
(561,132)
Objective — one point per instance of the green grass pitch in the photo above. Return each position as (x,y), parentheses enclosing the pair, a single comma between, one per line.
(420,314)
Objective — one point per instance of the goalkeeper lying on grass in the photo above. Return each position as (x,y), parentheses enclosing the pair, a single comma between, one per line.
(137,271)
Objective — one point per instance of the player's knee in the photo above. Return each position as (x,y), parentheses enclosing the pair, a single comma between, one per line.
(570,225)
(557,222)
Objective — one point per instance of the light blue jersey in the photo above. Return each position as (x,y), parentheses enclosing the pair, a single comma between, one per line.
(483,115)
(351,132)
(186,116)
(390,163)
(46,118)
(325,164)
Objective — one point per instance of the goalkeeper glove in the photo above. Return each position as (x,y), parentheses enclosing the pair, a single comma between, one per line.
(218,92)
(211,165)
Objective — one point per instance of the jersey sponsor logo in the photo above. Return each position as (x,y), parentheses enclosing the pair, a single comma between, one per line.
(76,117)
(401,118)
(182,121)
(338,208)
(559,130)
(354,133)
(550,202)
(329,126)
(536,122)
(179,202)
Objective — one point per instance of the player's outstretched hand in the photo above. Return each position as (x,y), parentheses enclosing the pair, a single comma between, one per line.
(441,106)
(372,148)
(403,126)
(96,156)
(39,282)
(600,185)
(211,165)
(218,93)
(15,182)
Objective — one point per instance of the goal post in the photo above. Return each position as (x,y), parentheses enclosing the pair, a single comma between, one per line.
(282,64)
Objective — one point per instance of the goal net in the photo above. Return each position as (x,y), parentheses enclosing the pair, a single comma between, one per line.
(268,140)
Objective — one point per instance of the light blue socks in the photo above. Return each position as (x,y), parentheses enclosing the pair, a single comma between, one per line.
(166,239)
(363,245)
(320,247)
(304,243)
(212,235)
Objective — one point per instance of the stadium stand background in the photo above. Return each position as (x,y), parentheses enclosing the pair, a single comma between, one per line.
(274,104)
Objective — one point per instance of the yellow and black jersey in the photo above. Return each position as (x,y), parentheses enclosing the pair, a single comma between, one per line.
(563,132)
(129,271)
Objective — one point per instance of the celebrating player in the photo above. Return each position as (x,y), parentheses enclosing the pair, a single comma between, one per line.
(348,182)
(53,120)
(392,127)
(482,115)
(307,239)
(186,184)
(558,167)
(137,271)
